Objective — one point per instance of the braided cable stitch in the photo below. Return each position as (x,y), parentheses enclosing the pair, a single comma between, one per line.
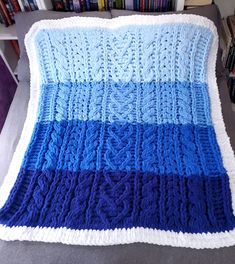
(124,139)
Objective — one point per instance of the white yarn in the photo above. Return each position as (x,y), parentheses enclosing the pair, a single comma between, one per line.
(119,236)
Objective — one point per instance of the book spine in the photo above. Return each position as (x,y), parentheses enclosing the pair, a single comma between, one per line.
(231,84)
(66,5)
(15,5)
(4,18)
(26,5)
(71,8)
(10,9)
(231,25)
(58,5)
(33,5)
(141,8)
(21,5)
(146,5)
(232,64)
(154,5)
(100,5)
(83,5)
(110,4)
(230,58)
(134,5)
(118,4)
(5,12)
(94,5)
(164,5)
(76,6)
(2,21)
(88,7)
(129,5)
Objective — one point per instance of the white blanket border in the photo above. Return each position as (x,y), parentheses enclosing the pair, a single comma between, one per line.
(131,235)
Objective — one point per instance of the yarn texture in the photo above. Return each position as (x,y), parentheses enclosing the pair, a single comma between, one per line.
(124,139)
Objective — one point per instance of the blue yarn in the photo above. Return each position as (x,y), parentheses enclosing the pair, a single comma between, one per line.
(69,202)
(124,136)
(181,102)
(167,148)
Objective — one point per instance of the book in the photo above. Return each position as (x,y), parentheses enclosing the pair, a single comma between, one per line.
(20,2)
(231,25)
(26,5)
(76,6)
(58,5)
(129,4)
(231,85)
(118,4)
(225,41)
(10,8)
(94,5)
(5,12)
(44,4)
(15,5)
(1,19)
(101,5)
(71,5)
(31,5)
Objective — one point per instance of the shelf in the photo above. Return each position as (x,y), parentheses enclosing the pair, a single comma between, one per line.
(7,33)
(233,107)
(16,69)
(231,75)
(9,57)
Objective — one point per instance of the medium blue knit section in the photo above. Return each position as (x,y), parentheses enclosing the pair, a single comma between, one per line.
(154,102)
(90,145)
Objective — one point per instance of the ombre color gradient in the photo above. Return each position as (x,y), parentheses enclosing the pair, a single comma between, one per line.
(124,136)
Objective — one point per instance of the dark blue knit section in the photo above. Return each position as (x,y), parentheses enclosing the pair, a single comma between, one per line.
(107,200)
(91,145)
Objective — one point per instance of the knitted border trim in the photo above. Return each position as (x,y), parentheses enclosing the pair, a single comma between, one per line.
(119,236)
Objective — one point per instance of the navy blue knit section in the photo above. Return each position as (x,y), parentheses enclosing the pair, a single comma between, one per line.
(91,145)
(107,200)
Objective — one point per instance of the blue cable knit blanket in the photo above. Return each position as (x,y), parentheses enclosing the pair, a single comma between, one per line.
(124,139)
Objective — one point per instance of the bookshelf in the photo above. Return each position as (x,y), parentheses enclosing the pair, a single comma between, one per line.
(6,50)
(179,5)
(7,33)
(9,57)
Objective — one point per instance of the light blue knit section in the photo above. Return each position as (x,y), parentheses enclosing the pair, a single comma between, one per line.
(160,103)
(172,52)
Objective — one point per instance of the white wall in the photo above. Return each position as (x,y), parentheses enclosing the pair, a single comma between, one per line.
(226,7)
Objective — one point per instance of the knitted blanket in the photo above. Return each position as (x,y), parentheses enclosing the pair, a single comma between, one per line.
(124,139)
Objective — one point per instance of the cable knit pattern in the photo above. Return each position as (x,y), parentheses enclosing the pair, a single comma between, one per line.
(122,142)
